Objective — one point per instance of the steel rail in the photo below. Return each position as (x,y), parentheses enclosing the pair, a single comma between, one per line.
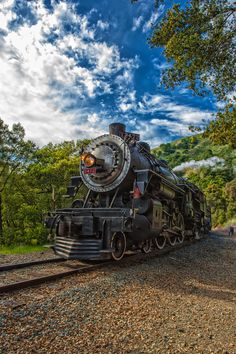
(5,267)
(83,269)
(36,281)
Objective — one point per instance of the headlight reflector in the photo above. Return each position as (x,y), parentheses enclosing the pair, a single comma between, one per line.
(89,160)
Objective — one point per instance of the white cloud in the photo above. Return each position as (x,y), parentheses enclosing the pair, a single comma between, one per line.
(176,128)
(148,132)
(137,23)
(187,114)
(152,130)
(210,162)
(41,78)
(6,15)
(102,25)
(128,101)
(231,97)
(106,58)
(153,19)
(93,118)
(176,117)
(160,103)
(90,130)
(160,65)
(124,107)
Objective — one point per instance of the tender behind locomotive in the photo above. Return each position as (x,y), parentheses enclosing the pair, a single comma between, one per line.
(133,201)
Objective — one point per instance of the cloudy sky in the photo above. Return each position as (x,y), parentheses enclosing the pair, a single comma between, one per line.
(70,68)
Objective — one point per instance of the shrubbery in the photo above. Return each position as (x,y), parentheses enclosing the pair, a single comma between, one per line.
(34,186)
(217,182)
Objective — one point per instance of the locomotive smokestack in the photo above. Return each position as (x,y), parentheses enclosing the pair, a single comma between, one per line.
(117,129)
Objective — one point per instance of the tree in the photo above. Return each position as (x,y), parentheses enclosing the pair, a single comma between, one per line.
(230,192)
(200,45)
(53,167)
(199,42)
(222,130)
(37,187)
(15,154)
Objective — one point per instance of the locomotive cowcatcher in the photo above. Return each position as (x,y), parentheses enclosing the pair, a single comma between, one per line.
(133,201)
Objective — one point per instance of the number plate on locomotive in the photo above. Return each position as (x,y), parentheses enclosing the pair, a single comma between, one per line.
(90,171)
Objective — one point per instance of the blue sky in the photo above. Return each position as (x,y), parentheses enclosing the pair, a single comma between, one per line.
(70,68)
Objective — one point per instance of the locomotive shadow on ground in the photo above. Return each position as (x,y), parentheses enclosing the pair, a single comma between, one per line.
(181,272)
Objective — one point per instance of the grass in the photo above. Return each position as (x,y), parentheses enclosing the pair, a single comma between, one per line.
(20,249)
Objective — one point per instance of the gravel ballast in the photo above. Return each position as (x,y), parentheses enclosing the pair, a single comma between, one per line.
(26,257)
(183,302)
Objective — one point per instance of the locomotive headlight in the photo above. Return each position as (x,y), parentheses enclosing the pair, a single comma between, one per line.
(89,160)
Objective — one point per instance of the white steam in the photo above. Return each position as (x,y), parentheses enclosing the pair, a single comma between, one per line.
(211,162)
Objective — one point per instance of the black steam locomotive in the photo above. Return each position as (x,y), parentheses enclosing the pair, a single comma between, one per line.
(133,201)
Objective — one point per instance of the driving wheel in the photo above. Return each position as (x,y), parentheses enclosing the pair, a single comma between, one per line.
(118,244)
(172,239)
(160,242)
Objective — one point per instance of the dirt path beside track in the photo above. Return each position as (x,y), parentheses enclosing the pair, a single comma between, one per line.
(184,302)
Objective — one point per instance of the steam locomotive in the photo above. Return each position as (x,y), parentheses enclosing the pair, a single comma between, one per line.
(133,201)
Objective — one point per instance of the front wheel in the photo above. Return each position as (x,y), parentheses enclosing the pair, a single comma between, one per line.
(118,244)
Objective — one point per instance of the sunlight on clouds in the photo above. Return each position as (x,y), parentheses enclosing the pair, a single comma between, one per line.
(91,126)
(39,78)
(93,118)
(106,58)
(160,103)
(174,127)
(126,106)
(178,118)
(63,75)
(128,101)
(6,15)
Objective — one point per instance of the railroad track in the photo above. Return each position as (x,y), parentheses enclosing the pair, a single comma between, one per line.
(5,267)
(84,268)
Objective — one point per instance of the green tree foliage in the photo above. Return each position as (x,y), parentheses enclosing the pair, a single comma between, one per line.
(213,182)
(33,182)
(222,130)
(230,191)
(185,149)
(200,45)
(15,154)
(52,169)
(199,42)
(217,182)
